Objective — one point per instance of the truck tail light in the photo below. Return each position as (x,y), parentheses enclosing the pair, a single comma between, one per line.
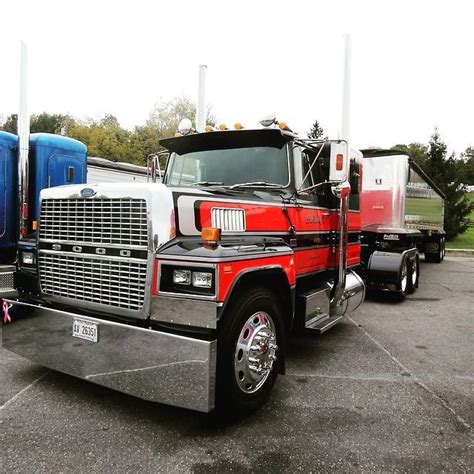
(339,162)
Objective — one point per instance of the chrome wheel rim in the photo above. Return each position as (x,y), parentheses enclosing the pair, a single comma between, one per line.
(255,352)
(404,279)
(415,271)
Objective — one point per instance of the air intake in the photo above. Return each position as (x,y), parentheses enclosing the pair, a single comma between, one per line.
(228,220)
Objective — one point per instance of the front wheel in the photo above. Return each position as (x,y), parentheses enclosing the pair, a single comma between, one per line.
(250,345)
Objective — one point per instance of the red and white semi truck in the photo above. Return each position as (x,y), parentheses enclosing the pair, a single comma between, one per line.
(185,292)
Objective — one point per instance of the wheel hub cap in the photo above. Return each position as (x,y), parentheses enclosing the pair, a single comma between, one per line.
(255,352)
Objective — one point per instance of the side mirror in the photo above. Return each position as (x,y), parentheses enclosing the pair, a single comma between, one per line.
(339,162)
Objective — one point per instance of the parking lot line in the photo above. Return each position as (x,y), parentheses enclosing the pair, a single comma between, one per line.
(21,392)
(415,379)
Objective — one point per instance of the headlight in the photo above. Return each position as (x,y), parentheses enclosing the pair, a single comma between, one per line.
(182,277)
(202,279)
(28,258)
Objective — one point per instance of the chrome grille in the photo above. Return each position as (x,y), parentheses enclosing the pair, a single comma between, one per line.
(6,279)
(121,221)
(228,219)
(118,282)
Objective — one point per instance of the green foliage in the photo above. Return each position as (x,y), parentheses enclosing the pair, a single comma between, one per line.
(105,138)
(10,124)
(445,173)
(316,131)
(417,152)
(466,166)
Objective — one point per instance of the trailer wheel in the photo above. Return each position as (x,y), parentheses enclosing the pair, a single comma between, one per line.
(414,274)
(250,345)
(403,281)
(437,257)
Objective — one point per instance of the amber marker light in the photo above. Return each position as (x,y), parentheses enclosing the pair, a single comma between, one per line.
(238,126)
(282,125)
(222,127)
(339,161)
(211,234)
(209,128)
(34,225)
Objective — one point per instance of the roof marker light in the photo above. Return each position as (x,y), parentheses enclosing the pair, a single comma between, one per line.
(209,128)
(223,127)
(268,121)
(185,126)
(238,126)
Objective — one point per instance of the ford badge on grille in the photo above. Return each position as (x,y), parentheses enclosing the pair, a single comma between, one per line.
(88,192)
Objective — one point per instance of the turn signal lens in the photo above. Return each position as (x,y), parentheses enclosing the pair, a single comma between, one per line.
(34,225)
(211,234)
(238,126)
(222,127)
(339,161)
(282,125)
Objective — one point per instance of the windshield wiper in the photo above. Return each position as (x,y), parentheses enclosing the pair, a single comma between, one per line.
(207,183)
(251,184)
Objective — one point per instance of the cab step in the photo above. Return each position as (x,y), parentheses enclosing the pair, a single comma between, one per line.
(321,323)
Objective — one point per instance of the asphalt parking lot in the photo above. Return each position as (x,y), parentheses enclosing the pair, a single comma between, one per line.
(390,389)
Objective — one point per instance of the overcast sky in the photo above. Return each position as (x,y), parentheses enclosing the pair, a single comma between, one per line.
(412,62)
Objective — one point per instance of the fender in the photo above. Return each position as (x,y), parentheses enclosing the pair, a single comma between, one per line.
(385,267)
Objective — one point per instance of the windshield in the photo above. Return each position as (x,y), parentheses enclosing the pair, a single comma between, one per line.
(229,167)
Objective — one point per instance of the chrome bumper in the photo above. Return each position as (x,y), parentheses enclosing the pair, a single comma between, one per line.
(148,364)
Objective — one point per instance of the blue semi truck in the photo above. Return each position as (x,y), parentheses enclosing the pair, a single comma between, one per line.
(53,160)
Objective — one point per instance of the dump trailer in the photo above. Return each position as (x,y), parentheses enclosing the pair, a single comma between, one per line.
(184,292)
(402,216)
(52,161)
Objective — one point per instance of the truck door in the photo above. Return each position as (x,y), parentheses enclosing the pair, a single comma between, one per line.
(63,169)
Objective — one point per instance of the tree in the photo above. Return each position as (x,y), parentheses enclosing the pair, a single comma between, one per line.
(44,122)
(466,166)
(443,171)
(417,152)
(316,131)
(10,124)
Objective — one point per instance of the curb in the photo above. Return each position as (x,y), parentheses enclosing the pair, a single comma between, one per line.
(460,252)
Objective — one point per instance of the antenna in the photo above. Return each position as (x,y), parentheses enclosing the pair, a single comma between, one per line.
(201,105)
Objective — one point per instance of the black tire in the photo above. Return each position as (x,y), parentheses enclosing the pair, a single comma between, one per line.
(233,394)
(435,257)
(413,274)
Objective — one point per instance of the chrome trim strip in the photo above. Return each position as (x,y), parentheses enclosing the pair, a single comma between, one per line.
(152,365)
(218,260)
(93,256)
(92,244)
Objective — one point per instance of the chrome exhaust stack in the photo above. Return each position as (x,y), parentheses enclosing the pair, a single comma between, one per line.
(349,289)
(24,145)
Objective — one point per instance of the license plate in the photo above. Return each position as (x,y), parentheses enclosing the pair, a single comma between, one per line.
(85,330)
